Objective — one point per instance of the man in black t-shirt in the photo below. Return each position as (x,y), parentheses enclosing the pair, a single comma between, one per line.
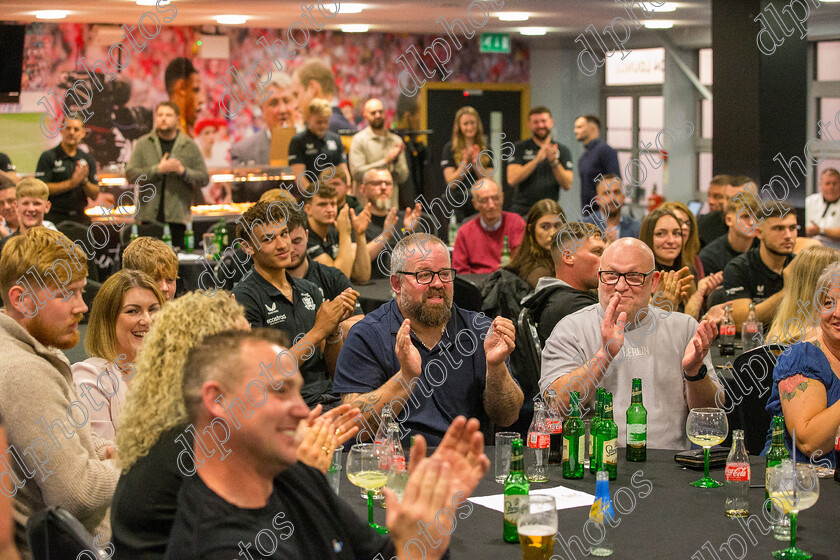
(739,238)
(70,174)
(273,298)
(251,492)
(576,250)
(316,148)
(540,166)
(759,274)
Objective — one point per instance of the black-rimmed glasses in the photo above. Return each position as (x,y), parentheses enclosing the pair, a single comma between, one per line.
(611,277)
(426,276)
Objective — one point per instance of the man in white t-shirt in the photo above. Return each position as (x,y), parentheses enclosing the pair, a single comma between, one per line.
(667,350)
(822,210)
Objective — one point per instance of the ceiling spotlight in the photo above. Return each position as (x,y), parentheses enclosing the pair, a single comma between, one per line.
(659,24)
(51,14)
(513,16)
(151,2)
(231,19)
(352,8)
(355,28)
(533,31)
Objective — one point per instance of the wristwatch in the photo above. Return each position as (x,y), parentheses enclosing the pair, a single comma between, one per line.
(701,374)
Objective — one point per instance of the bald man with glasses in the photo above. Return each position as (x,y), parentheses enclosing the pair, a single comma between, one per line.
(624,336)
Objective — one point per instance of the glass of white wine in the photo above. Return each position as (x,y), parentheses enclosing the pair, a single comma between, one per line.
(793,489)
(367,467)
(706,427)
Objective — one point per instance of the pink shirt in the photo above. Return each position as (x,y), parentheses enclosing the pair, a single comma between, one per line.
(478,251)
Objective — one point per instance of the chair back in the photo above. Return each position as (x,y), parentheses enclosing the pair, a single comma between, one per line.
(54,534)
(466,295)
(747,393)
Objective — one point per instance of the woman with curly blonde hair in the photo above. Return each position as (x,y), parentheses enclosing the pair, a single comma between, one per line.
(795,321)
(466,158)
(533,258)
(155,442)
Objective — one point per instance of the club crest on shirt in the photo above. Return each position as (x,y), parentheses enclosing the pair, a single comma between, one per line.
(331,145)
(271,308)
(308,302)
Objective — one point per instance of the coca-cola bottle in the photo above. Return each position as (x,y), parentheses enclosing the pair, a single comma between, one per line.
(752,330)
(727,332)
(738,477)
(537,450)
(554,424)
(837,455)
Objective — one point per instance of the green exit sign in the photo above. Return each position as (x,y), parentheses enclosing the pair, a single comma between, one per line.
(495,43)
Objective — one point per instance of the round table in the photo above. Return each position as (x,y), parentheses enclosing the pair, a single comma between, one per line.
(659,516)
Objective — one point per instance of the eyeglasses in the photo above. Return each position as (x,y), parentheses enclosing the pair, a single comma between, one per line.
(611,277)
(426,276)
(374,182)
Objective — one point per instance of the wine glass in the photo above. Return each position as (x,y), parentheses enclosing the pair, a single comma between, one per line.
(367,467)
(793,490)
(706,427)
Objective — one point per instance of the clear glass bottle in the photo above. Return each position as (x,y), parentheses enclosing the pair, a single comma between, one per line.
(752,331)
(738,477)
(505,260)
(539,443)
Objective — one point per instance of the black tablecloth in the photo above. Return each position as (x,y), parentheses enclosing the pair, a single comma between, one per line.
(675,520)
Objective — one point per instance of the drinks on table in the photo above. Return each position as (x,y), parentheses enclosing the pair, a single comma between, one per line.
(536,454)
(367,468)
(601,512)
(554,423)
(793,487)
(537,525)
(727,332)
(737,478)
(606,441)
(775,454)
(505,260)
(752,331)
(706,427)
(636,439)
(516,486)
(573,440)
(593,427)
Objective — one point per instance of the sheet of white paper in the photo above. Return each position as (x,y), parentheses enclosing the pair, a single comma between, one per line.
(566,498)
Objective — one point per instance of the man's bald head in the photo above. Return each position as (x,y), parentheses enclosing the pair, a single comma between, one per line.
(641,253)
(374,113)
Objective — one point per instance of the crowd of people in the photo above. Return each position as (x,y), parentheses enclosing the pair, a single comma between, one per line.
(196,419)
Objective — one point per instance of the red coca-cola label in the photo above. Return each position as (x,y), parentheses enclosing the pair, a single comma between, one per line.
(727,330)
(837,444)
(537,440)
(554,426)
(752,328)
(738,472)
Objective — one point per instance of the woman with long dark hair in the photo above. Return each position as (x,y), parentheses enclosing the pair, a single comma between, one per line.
(533,258)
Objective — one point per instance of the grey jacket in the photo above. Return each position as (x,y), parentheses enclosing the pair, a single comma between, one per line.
(179,190)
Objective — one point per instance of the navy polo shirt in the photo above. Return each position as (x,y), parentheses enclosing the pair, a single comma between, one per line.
(329,280)
(598,158)
(55,166)
(453,372)
(266,306)
(305,147)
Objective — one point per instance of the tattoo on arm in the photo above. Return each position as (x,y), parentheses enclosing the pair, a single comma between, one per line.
(363,401)
(788,387)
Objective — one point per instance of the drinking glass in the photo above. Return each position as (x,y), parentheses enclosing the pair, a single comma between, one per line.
(502,462)
(793,488)
(706,427)
(208,241)
(367,467)
(537,525)
(334,472)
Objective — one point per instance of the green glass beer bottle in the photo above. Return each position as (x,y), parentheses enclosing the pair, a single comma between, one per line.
(574,437)
(776,453)
(593,427)
(636,425)
(516,485)
(606,440)
(505,260)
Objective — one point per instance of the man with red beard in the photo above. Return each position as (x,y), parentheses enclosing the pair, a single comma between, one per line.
(426,357)
(56,459)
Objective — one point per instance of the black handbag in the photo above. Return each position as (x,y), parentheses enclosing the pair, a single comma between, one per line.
(54,534)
